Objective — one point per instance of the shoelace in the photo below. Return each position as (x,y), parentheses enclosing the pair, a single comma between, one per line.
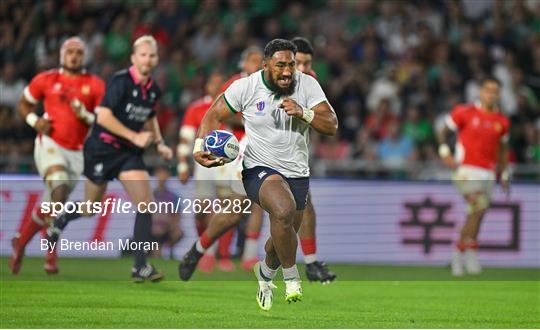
(267,286)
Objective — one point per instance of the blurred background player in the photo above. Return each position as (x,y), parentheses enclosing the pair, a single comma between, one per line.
(251,60)
(116,145)
(315,270)
(276,174)
(69,96)
(220,223)
(205,178)
(481,153)
(165,225)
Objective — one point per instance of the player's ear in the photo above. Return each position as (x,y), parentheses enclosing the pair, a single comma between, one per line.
(132,58)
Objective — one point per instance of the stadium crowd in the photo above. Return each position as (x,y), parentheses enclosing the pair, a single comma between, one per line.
(391,69)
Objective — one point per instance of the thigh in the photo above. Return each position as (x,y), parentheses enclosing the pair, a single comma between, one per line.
(94,192)
(473,181)
(47,154)
(137,185)
(275,195)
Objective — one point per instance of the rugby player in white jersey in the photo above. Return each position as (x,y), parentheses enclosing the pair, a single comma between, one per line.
(278,106)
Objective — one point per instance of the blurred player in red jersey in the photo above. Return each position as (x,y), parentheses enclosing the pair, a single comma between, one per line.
(205,178)
(315,270)
(69,96)
(481,153)
(250,62)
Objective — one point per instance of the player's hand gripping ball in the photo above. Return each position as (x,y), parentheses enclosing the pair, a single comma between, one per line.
(222,144)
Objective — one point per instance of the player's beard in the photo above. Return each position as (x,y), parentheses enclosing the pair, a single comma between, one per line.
(285,91)
(73,70)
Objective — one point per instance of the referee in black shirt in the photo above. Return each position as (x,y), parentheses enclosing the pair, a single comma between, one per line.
(116,145)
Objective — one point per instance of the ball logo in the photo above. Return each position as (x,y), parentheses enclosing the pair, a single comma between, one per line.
(222,144)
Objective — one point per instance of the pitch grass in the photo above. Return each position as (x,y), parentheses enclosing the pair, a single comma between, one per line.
(95,293)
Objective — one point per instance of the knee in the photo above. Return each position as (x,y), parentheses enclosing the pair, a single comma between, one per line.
(477,203)
(284,212)
(58,184)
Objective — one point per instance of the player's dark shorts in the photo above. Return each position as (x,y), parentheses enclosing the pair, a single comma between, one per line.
(103,162)
(254,177)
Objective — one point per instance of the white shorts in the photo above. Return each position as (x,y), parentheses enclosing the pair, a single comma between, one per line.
(205,181)
(471,179)
(48,153)
(222,180)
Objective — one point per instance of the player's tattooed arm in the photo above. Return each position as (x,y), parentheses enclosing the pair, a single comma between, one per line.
(26,110)
(214,117)
(321,117)
(106,118)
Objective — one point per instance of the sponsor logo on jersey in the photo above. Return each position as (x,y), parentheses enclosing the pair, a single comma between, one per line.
(260,107)
(98,169)
(85,89)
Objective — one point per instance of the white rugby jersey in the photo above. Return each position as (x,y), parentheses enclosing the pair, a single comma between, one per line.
(275,139)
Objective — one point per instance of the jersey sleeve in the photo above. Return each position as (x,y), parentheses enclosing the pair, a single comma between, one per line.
(35,91)
(236,94)
(456,118)
(314,93)
(189,118)
(114,93)
(99,87)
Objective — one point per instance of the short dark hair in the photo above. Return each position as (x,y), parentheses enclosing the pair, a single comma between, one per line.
(487,79)
(277,45)
(303,45)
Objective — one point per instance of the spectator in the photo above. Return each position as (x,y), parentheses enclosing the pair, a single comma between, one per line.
(396,149)
(417,128)
(377,123)
(11,86)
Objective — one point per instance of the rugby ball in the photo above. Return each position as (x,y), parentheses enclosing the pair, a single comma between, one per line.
(223,144)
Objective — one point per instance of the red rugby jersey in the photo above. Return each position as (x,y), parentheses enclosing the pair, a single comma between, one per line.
(57,90)
(479,134)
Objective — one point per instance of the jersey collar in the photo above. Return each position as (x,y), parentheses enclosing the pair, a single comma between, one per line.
(265,82)
(136,80)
